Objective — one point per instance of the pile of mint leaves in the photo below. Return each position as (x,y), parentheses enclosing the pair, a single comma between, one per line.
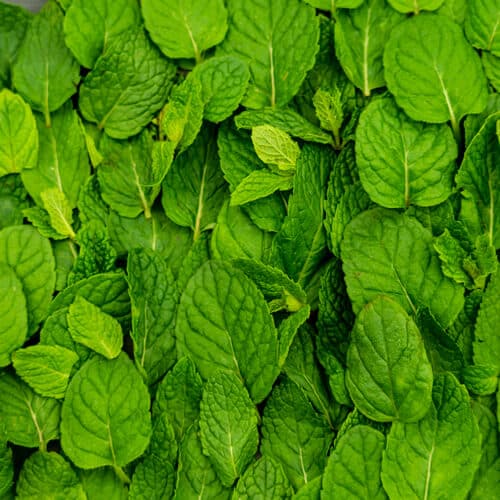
(248,249)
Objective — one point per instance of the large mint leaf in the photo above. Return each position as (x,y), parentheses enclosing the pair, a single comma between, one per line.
(28,419)
(105,414)
(218,308)
(360,38)
(154,297)
(416,463)
(89,26)
(18,134)
(279,39)
(389,253)
(353,468)
(482,25)
(129,83)
(30,256)
(45,72)
(62,159)
(402,162)
(388,374)
(228,425)
(13,314)
(415,6)
(429,56)
(185,29)
(479,177)
(294,434)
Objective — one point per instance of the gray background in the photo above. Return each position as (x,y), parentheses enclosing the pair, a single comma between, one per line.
(33,5)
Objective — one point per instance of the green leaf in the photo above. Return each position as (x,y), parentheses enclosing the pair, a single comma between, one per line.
(29,420)
(482,25)
(62,159)
(45,368)
(18,134)
(228,425)
(125,175)
(377,247)
(353,469)
(224,80)
(196,478)
(285,119)
(105,414)
(456,10)
(198,254)
(259,184)
(194,188)
(360,37)
(6,470)
(88,26)
(264,479)
(491,65)
(154,298)
(415,6)
(481,379)
(31,258)
(152,479)
(332,5)
(185,29)
(179,395)
(300,245)
(388,374)
(93,328)
(479,178)
(91,206)
(45,72)
(13,314)
(428,55)
(13,200)
(328,107)
(278,55)
(416,462)
(59,211)
(212,327)
(486,341)
(129,83)
(48,475)
(312,489)
(402,162)
(294,434)
(103,482)
(275,147)
(287,330)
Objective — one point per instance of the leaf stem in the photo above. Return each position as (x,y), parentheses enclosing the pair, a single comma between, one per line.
(121,474)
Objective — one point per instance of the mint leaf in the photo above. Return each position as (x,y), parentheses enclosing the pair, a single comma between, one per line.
(415,6)
(481,25)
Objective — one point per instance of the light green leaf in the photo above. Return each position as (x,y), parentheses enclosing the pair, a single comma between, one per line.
(62,159)
(194,188)
(482,25)
(491,66)
(287,330)
(13,314)
(279,56)
(312,489)
(428,55)
(59,211)
(486,341)
(212,327)
(154,298)
(265,480)
(480,180)
(40,219)
(45,368)
(416,462)
(360,37)
(415,6)
(224,80)
(153,479)
(353,468)
(228,425)
(88,26)
(377,247)
(18,134)
(93,328)
(402,162)
(103,483)
(48,475)
(29,420)
(328,107)
(179,395)
(388,374)
(125,175)
(456,10)
(481,379)
(30,256)
(294,434)
(45,72)
(196,478)
(129,83)
(332,5)
(259,184)
(105,414)
(275,147)
(185,29)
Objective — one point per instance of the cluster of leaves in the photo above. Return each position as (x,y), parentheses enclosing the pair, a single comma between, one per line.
(248,249)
